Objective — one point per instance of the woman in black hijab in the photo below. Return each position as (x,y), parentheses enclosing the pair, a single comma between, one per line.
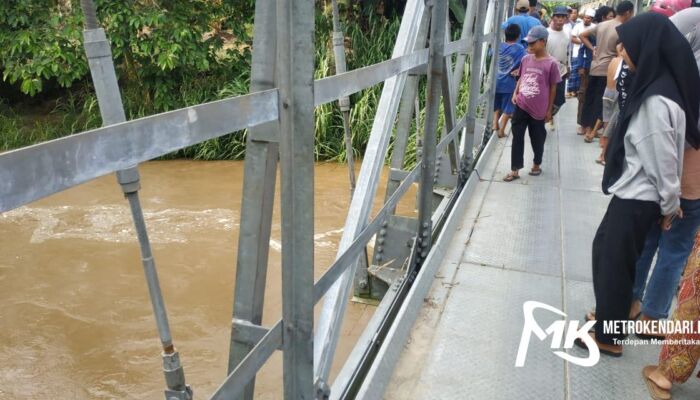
(643,161)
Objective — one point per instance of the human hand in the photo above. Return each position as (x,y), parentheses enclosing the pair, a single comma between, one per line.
(667,220)
(548,117)
(514,98)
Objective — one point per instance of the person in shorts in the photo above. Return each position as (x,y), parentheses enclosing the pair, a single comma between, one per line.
(509,55)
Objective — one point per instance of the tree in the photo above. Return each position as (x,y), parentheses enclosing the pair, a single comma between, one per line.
(156,44)
(40,41)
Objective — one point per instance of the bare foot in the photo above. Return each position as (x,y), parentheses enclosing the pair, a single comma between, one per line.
(660,379)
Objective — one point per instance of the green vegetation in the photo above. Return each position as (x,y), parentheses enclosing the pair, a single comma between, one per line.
(168,54)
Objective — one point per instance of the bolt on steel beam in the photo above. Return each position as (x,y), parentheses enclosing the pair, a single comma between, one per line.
(436,71)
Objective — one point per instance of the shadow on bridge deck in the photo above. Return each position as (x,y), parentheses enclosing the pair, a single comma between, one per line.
(520,241)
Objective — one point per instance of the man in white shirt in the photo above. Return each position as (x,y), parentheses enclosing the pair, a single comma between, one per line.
(575,79)
(572,19)
(558,46)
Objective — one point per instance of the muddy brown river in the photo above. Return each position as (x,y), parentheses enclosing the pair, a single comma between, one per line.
(76,321)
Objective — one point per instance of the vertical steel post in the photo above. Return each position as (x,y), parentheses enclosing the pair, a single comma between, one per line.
(295,76)
(336,299)
(407,110)
(343,102)
(467,33)
(259,180)
(496,28)
(474,87)
(449,105)
(99,54)
(436,66)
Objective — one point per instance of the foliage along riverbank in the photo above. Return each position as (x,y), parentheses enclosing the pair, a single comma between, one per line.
(163,64)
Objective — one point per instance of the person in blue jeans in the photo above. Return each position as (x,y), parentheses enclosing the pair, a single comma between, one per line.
(674,244)
(510,54)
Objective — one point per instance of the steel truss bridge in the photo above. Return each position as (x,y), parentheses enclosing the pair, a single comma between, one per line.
(279,116)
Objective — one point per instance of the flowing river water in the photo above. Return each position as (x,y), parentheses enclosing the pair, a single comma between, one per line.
(75,318)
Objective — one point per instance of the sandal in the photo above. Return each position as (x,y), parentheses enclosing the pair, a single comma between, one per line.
(580,343)
(656,391)
(535,172)
(588,139)
(601,162)
(511,177)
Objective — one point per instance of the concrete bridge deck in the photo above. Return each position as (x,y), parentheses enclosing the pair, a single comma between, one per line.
(520,241)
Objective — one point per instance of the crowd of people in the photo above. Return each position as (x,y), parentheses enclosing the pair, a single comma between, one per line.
(638,88)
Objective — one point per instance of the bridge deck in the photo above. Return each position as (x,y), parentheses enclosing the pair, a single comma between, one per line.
(519,241)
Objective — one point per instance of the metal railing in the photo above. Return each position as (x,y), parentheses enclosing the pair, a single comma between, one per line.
(279,116)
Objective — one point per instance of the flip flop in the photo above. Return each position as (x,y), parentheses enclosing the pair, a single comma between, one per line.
(581,344)
(587,139)
(535,172)
(601,162)
(656,392)
(511,177)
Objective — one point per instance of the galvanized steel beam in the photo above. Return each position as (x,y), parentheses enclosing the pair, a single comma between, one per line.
(295,77)
(493,70)
(237,380)
(259,180)
(343,102)
(335,304)
(467,35)
(474,86)
(436,71)
(330,88)
(34,172)
(406,111)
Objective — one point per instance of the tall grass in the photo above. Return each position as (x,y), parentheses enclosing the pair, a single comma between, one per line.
(369,40)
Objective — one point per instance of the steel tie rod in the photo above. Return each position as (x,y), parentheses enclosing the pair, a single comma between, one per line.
(104,78)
